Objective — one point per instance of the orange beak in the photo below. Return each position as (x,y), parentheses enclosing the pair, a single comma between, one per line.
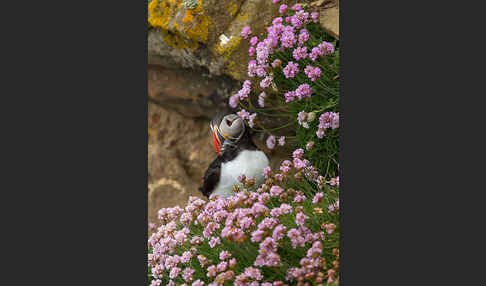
(217,143)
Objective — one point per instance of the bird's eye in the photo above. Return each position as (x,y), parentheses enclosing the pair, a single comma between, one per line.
(229,122)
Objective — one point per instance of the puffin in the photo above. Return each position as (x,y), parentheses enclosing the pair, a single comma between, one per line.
(237,155)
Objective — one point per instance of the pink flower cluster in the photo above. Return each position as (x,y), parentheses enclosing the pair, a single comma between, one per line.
(312,72)
(245,217)
(242,94)
(327,120)
(282,35)
(245,115)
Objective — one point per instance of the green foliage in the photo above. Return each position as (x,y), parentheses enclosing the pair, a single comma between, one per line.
(325,98)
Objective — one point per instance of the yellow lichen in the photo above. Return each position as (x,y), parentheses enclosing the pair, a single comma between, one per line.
(241,18)
(228,48)
(226,51)
(232,8)
(234,70)
(178,42)
(194,27)
(196,23)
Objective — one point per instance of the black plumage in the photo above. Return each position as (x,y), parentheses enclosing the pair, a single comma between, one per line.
(213,173)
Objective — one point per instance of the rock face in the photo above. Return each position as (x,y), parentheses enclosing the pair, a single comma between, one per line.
(179,152)
(329,18)
(191,92)
(206,33)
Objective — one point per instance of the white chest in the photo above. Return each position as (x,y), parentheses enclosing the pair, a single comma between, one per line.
(250,163)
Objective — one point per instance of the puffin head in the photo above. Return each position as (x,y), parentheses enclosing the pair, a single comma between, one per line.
(226,130)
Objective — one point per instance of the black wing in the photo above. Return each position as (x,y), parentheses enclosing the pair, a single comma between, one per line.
(211,177)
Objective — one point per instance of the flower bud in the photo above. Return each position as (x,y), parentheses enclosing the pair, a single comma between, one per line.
(311,116)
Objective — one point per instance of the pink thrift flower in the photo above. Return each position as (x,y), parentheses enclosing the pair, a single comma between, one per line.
(174,272)
(289,96)
(300,53)
(252,68)
(299,19)
(334,181)
(251,120)
(297,7)
(298,153)
(243,114)
(251,51)
(186,257)
(271,142)
(304,90)
(246,222)
(312,72)
(309,145)
(158,271)
(288,38)
(261,99)
(300,218)
(254,40)
(291,69)
(187,274)
(329,47)
(269,222)
(254,273)
(261,71)
(281,141)
(317,198)
(152,226)
(315,52)
(266,172)
(257,235)
(266,82)
(279,232)
(223,255)
(330,227)
(263,198)
(334,120)
(299,199)
(245,32)
(276,63)
(197,240)
(232,263)
(277,21)
(211,271)
(295,238)
(315,17)
(286,209)
(259,209)
(299,164)
(303,37)
(222,266)
(198,283)
(156,282)
(282,9)
(275,1)
(285,169)
(275,191)
(202,260)
(214,241)
(302,119)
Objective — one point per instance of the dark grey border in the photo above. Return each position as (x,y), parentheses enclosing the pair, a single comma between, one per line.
(79,146)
